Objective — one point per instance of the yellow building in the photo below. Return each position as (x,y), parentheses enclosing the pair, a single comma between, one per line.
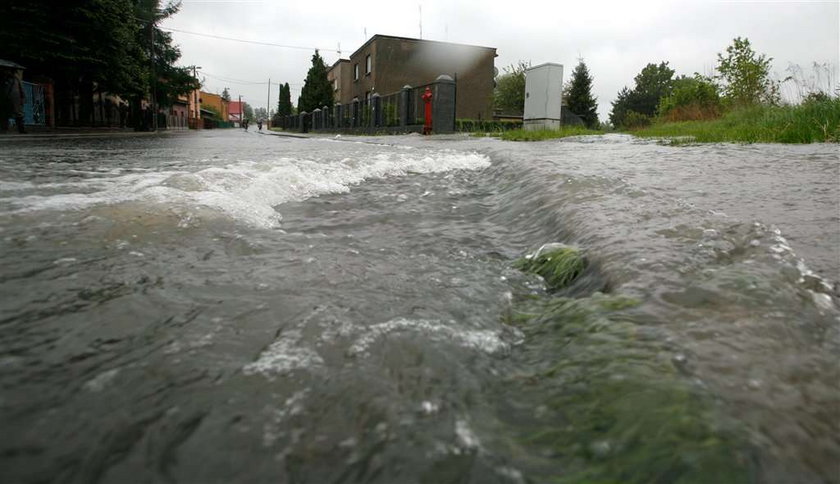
(215,103)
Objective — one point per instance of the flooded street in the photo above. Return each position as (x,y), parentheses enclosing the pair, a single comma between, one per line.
(224,306)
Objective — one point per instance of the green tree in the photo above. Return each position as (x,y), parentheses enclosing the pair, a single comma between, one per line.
(248,111)
(284,102)
(94,46)
(226,95)
(317,91)
(509,95)
(745,75)
(579,97)
(654,82)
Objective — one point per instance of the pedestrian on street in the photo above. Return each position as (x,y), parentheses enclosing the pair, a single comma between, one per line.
(13,98)
(259,125)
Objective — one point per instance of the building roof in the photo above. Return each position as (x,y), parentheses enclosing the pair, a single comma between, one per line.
(234,107)
(339,61)
(380,36)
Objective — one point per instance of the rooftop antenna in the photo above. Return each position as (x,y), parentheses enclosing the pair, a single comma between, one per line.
(339,50)
(420,14)
(365,39)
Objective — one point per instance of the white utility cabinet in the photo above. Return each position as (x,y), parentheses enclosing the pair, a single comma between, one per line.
(543,96)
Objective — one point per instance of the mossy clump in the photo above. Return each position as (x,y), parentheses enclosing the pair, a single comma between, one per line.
(558,264)
(613,407)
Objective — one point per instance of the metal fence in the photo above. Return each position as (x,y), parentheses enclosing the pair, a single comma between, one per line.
(401,111)
(34,106)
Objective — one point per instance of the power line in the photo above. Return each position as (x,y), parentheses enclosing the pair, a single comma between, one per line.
(244,41)
(240,81)
(234,81)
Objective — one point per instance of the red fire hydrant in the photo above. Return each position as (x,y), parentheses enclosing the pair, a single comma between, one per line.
(427,98)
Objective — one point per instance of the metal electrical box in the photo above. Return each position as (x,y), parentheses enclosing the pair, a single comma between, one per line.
(543,96)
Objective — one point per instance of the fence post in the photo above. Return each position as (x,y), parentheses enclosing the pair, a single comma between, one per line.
(316,119)
(304,118)
(405,99)
(376,105)
(355,113)
(443,105)
(337,116)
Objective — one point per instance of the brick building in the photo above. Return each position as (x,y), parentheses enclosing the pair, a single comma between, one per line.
(216,103)
(340,76)
(384,64)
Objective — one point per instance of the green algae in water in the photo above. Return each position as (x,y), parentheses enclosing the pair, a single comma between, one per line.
(617,409)
(558,264)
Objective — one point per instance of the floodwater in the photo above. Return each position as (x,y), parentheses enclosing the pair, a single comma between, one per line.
(224,306)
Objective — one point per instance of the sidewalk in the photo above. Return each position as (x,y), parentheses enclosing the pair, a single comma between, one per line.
(283,134)
(73,132)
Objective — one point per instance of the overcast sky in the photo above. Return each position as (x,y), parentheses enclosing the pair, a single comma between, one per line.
(615,38)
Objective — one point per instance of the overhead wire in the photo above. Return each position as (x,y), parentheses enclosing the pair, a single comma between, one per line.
(246,41)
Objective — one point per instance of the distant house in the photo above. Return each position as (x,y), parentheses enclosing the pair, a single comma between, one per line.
(235,112)
(384,64)
(179,112)
(214,102)
(340,78)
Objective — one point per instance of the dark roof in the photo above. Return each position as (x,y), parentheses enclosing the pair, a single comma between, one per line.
(338,62)
(380,36)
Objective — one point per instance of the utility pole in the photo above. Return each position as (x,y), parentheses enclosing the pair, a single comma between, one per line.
(241,113)
(154,76)
(268,105)
(197,100)
(420,15)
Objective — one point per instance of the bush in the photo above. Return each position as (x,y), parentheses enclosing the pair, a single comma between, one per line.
(693,98)
(634,120)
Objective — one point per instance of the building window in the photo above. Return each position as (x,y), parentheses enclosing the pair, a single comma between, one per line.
(367,64)
(355,72)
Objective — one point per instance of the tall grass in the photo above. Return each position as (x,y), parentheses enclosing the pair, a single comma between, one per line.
(809,122)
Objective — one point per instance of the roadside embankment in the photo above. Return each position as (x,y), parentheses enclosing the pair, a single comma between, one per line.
(810,122)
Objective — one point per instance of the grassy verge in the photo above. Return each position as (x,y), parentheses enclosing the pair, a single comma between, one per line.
(805,123)
(544,134)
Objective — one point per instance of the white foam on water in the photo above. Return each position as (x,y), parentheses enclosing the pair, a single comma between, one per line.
(247,191)
(483,340)
(466,437)
(8,186)
(100,381)
(283,356)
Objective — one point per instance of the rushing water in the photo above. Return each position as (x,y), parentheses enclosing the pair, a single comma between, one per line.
(233,307)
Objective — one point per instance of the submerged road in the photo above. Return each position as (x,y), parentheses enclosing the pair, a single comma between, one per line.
(224,306)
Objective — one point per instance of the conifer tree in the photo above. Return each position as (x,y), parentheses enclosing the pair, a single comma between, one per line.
(284,102)
(579,99)
(317,91)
